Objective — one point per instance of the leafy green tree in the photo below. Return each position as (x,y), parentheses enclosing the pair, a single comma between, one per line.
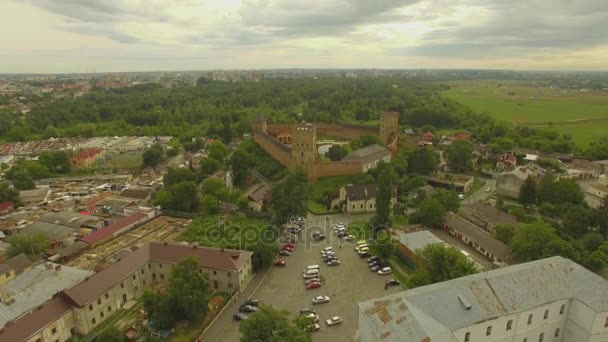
(263,255)
(32,245)
(183,196)
(188,289)
(430,213)
(562,248)
(271,325)
(160,198)
(241,163)
(601,216)
(448,199)
(504,233)
(528,239)
(546,191)
(384,246)
(22,180)
(442,263)
(527,192)
(595,261)
(592,240)
(152,156)
(210,204)
(56,161)
(383,199)
(216,187)
(207,167)
(9,195)
(458,155)
(218,151)
(422,161)
(336,152)
(578,220)
(568,191)
(110,334)
(177,175)
(289,198)
(226,132)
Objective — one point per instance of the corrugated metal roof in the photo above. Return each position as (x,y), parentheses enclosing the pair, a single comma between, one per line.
(52,231)
(418,240)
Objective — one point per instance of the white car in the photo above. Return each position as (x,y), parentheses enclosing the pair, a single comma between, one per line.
(488,189)
(461,196)
(313,317)
(334,321)
(313,327)
(384,271)
(320,300)
(349,237)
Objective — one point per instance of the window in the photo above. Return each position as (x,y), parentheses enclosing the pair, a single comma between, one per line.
(154,276)
(135,288)
(562,309)
(525,339)
(529,319)
(214,273)
(142,271)
(149,266)
(122,285)
(215,285)
(39,340)
(541,338)
(101,314)
(54,331)
(93,320)
(229,285)
(98,300)
(509,324)
(489,331)
(160,265)
(91,307)
(107,296)
(162,276)
(134,277)
(546,314)
(557,332)
(467,337)
(109,308)
(606,323)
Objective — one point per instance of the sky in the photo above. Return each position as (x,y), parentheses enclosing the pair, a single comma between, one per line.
(62,36)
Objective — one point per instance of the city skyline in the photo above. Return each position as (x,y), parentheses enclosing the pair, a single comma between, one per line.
(122,36)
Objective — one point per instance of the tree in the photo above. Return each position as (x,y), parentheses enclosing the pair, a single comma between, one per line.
(210,204)
(422,161)
(601,215)
(152,156)
(22,180)
(218,151)
(241,163)
(289,198)
(527,192)
(183,196)
(528,239)
(32,245)
(448,199)
(110,334)
(216,187)
(384,246)
(207,167)
(430,213)
(546,191)
(263,255)
(271,325)
(188,289)
(9,195)
(504,233)
(442,263)
(578,220)
(562,248)
(567,191)
(459,155)
(336,152)
(55,161)
(226,131)
(176,175)
(383,199)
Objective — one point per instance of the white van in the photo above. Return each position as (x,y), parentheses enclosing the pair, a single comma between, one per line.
(311,274)
(311,267)
(360,247)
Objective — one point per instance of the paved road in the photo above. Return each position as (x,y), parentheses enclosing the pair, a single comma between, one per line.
(481,194)
(283,288)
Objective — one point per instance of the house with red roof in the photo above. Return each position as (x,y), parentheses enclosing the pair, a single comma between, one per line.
(506,161)
(115,229)
(6,207)
(87,158)
(427,136)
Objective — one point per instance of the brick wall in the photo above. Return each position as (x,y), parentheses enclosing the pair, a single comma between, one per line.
(348,131)
(337,168)
(278,151)
(277,129)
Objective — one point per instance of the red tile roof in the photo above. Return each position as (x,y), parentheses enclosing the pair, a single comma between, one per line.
(6,205)
(112,228)
(208,257)
(86,154)
(26,326)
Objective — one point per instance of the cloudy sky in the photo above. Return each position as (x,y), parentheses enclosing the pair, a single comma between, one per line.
(40,36)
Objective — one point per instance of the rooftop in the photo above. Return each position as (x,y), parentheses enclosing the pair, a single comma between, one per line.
(487,213)
(52,231)
(135,193)
(418,240)
(28,325)
(478,235)
(113,228)
(17,263)
(431,312)
(368,154)
(73,220)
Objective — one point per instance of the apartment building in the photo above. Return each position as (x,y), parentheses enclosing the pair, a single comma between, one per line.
(546,300)
(96,298)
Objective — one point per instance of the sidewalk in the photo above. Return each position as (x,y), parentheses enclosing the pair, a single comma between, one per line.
(214,332)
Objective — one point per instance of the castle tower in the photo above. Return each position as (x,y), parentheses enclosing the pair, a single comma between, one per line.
(259,124)
(304,148)
(389,127)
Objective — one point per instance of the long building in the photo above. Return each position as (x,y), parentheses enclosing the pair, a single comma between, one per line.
(78,310)
(553,299)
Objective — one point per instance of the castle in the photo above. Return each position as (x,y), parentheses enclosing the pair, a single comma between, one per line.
(295,146)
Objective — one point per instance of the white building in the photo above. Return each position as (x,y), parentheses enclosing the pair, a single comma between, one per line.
(553,299)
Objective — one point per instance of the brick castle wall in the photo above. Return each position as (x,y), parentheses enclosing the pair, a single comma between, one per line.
(337,168)
(275,149)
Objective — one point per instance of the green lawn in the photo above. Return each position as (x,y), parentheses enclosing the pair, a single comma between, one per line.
(229,232)
(584,115)
(360,229)
(325,185)
(478,184)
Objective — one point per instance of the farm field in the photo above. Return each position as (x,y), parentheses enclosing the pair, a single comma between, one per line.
(583,115)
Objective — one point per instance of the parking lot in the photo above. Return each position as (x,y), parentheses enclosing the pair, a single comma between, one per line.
(346,284)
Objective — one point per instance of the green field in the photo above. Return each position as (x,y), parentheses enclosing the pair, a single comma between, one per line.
(584,115)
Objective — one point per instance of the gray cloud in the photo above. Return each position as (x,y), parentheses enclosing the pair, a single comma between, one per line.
(520,28)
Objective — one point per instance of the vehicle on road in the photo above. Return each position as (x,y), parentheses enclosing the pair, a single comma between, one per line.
(286,248)
(392,282)
(279,262)
(365,254)
(284,253)
(333,262)
(373,263)
(311,267)
(304,311)
(349,237)
(312,280)
(239,316)
(312,316)
(252,302)
(376,267)
(320,300)
(384,271)
(311,274)
(374,258)
(334,321)
(313,327)
(313,285)
(289,245)
(248,308)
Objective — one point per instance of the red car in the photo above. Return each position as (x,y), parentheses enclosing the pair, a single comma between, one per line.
(289,245)
(314,285)
(287,248)
(279,262)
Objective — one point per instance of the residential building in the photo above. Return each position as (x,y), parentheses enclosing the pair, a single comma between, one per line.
(226,177)
(597,191)
(552,299)
(87,157)
(410,243)
(486,216)
(115,229)
(80,309)
(460,183)
(55,233)
(369,156)
(493,249)
(358,199)
(72,219)
(136,193)
(13,267)
(36,196)
(257,197)
(508,184)
(506,161)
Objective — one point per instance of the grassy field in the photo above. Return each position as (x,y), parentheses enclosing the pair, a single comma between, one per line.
(324,185)
(584,115)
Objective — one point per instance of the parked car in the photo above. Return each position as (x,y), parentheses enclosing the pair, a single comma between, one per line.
(313,327)
(312,280)
(333,262)
(461,196)
(284,253)
(349,237)
(252,302)
(320,300)
(279,262)
(239,316)
(392,282)
(247,308)
(373,263)
(384,271)
(312,316)
(289,245)
(287,248)
(364,254)
(376,267)
(304,311)
(374,258)
(319,237)
(292,240)
(313,285)
(334,321)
